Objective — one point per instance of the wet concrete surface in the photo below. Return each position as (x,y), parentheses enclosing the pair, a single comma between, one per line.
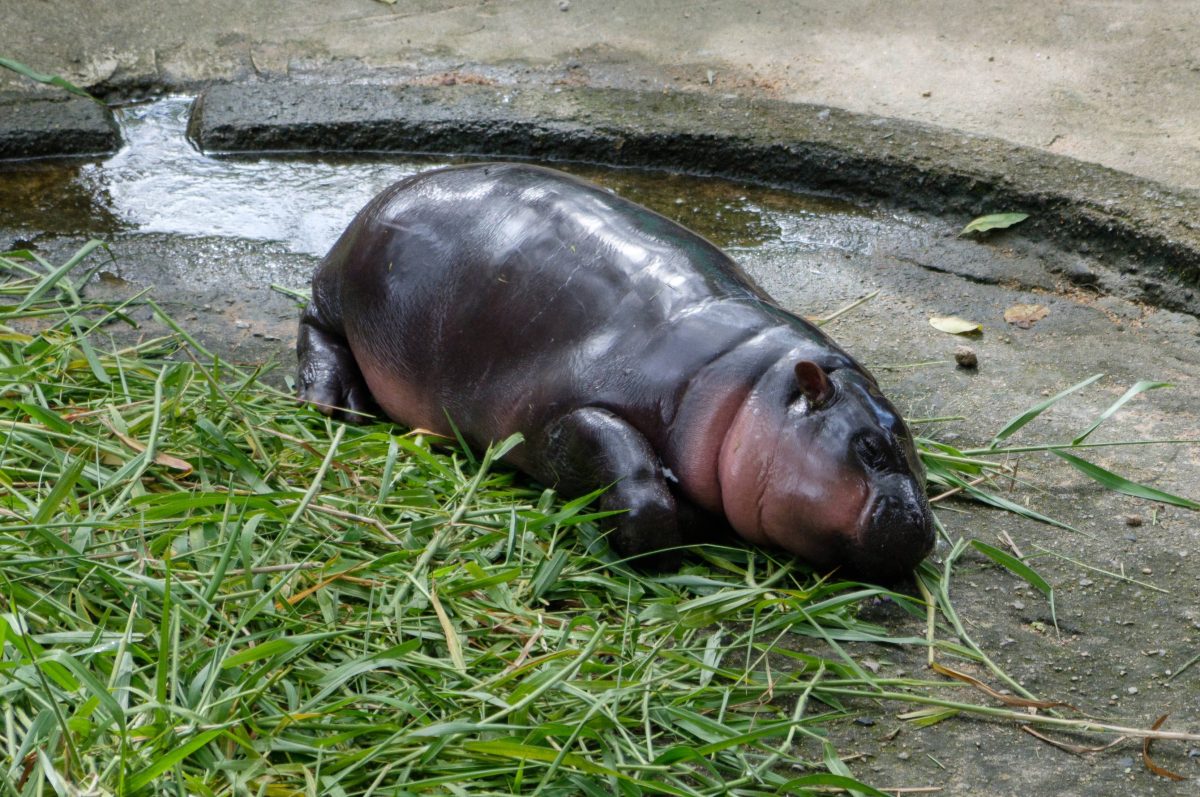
(1149,228)
(1114,83)
(1128,597)
(54,125)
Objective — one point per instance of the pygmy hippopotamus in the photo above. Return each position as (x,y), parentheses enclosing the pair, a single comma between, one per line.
(628,351)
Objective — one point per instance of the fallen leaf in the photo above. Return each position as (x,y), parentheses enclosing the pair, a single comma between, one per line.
(1025,315)
(1073,748)
(955,325)
(160,458)
(1008,700)
(1150,765)
(994,221)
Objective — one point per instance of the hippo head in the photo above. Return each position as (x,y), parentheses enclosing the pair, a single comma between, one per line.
(819,463)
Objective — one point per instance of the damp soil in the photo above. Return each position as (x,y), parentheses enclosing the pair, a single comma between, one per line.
(212,236)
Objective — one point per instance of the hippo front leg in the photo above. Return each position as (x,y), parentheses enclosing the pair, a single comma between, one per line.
(329,377)
(592,448)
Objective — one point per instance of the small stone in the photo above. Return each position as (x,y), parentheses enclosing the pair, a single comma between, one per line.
(965,357)
(902,756)
(1080,274)
(1133,520)
(1018,605)
(1086,582)
(240,324)
(1147,571)
(1132,690)
(1125,763)
(564,5)
(866,722)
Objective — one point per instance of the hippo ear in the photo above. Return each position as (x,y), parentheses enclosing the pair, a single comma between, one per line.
(814,383)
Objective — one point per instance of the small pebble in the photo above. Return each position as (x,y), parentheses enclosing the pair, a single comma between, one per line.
(1018,605)
(902,756)
(1125,763)
(1147,571)
(1133,520)
(1132,690)
(563,5)
(864,721)
(241,324)
(1086,582)
(965,357)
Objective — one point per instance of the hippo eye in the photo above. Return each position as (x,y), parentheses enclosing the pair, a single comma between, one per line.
(872,452)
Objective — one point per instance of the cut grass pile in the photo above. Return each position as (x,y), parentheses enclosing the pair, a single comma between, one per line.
(208,590)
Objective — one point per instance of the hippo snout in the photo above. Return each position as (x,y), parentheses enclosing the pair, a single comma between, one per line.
(898,533)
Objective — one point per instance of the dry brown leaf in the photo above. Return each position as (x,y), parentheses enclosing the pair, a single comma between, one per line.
(292,600)
(1162,772)
(1076,749)
(166,460)
(1025,315)
(1008,700)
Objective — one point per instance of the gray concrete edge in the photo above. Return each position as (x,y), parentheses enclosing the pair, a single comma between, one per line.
(55,125)
(1147,229)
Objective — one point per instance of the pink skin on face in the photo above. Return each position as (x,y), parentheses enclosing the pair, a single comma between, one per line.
(780,488)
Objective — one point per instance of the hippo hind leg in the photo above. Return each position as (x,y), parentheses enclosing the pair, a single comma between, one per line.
(329,377)
(592,448)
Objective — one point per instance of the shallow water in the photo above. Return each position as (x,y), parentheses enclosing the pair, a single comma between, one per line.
(159,183)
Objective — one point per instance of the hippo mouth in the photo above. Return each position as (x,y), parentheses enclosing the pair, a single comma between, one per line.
(897,532)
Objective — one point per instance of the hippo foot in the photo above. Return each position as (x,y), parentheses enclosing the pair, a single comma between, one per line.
(592,448)
(330,379)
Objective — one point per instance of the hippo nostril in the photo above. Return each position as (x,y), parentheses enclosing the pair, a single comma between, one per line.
(897,536)
(893,512)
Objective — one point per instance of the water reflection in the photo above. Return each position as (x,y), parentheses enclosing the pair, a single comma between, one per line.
(48,196)
(159,183)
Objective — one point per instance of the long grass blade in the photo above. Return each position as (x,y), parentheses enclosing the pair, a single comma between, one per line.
(1010,428)
(1120,484)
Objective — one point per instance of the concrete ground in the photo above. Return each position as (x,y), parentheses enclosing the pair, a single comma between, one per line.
(1116,84)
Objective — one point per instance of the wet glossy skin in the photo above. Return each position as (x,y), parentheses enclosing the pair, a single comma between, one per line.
(628,351)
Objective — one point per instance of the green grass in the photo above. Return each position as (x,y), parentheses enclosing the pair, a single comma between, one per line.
(206,589)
